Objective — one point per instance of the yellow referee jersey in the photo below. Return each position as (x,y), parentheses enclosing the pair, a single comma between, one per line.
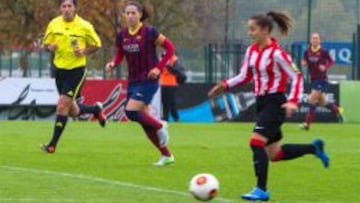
(67,35)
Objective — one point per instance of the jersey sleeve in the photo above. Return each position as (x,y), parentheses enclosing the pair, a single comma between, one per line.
(154,34)
(119,53)
(329,59)
(92,38)
(49,34)
(286,64)
(244,75)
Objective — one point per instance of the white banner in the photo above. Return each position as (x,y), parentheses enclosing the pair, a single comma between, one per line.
(28,91)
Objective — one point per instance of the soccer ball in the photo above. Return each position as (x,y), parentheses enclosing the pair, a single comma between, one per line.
(204,186)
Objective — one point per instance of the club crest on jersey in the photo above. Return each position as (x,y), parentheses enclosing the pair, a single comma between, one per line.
(138,38)
(131,48)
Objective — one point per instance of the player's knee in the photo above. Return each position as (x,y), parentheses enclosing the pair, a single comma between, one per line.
(63,107)
(276,156)
(132,115)
(256,142)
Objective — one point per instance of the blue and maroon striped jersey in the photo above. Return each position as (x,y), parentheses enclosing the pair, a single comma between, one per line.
(316,58)
(139,50)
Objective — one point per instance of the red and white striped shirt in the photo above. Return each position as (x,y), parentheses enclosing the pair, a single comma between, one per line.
(270,69)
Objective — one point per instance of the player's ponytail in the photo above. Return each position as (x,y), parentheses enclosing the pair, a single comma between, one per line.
(283,20)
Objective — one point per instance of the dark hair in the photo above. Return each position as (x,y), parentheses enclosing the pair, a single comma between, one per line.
(282,19)
(143,9)
(74,2)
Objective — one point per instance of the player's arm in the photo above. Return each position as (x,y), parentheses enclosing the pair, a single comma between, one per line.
(285,63)
(118,57)
(49,42)
(329,60)
(304,59)
(93,43)
(168,46)
(243,77)
(165,43)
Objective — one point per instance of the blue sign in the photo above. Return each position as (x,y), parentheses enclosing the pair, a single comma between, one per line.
(341,52)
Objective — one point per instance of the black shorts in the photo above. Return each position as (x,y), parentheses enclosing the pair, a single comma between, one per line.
(69,82)
(270,116)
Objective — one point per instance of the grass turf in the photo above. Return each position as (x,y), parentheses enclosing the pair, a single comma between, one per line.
(114,164)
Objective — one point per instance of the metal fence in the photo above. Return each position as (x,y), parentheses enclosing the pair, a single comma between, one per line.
(335,20)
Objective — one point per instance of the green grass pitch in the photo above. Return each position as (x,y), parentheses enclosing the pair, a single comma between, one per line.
(115,164)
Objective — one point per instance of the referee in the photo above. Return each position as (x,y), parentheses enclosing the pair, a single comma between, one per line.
(70,38)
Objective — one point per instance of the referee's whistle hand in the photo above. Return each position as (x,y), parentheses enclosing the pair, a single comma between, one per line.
(52,47)
(79,52)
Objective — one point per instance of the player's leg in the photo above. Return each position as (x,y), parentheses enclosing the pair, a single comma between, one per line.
(62,112)
(278,152)
(138,111)
(96,110)
(270,118)
(332,106)
(166,156)
(261,165)
(310,115)
(68,83)
(80,108)
(139,97)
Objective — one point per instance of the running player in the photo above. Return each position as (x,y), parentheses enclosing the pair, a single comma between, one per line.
(269,66)
(70,38)
(137,43)
(318,61)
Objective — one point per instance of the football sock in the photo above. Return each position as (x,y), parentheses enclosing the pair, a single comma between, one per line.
(333,108)
(293,151)
(144,119)
(310,115)
(151,134)
(261,162)
(59,127)
(88,109)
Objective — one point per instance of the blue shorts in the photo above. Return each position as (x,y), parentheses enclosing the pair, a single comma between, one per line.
(142,91)
(320,85)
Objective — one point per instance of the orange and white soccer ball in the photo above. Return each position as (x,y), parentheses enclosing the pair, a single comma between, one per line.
(204,186)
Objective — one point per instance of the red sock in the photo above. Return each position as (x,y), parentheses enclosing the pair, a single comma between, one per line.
(146,119)
(151,134)
(310,115)
(333,108)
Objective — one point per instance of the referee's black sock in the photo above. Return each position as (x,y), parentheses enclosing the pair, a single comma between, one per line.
(292,151)
(261,164)
(88,109)
(59,127)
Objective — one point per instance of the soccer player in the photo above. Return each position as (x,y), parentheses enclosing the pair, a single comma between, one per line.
(318,61)
(269,66)
(70,38)
(137,43)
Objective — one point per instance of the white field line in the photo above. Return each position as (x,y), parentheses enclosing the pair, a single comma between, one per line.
(35,200)
(98,180)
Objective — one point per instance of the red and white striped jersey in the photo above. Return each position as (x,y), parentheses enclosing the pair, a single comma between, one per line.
(270,69)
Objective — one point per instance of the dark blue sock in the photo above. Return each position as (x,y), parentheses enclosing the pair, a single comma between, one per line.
(88,109)
(59,127)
